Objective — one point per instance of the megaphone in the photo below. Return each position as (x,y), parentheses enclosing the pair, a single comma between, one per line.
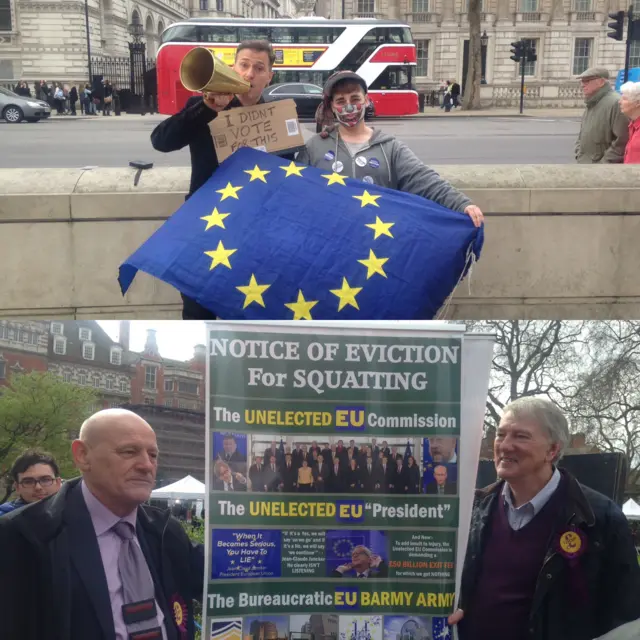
(200,70)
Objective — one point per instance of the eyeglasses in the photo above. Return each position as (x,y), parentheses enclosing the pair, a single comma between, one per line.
(29,483)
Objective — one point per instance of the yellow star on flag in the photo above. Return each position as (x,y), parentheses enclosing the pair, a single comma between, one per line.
(215,219)
(229,192)
(293,170)
(380,228)
(220,256)
(301,308)
(374,264)
(257,174)
(347,295)
(335,178)
(253,292)
(366,198)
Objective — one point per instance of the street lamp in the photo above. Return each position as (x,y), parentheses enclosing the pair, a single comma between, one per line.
(136,31)
(484,43)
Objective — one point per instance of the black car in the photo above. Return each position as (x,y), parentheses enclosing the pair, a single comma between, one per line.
(306,96)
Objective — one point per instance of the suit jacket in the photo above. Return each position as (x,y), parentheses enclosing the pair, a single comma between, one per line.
(382,477)
(236,461)
(321,479)
(218,485)
(256,477)
(450,488)
(289,477)
(266,459)
(366,478)
(336,481)
(381,571)
(271,478)
(52,581)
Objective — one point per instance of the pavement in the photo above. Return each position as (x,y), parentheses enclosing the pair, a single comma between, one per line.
(497,138)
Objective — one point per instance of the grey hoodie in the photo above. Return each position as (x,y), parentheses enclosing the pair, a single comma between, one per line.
(386,162)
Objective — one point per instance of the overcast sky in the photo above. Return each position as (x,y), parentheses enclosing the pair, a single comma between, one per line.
(176,338)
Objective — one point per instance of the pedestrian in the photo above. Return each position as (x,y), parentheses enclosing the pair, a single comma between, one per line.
(358,151)
(108,98)
(455,94)
(605,129)
(630,107)
(547,557)
(58,97)
(89,105)
(254,62)
(94,561)
(43,92)
(22,89)
(116,100)
(73,98)
(35,475)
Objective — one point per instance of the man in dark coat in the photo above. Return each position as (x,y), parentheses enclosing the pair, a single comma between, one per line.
(288,474)
(548,558)
(62,572)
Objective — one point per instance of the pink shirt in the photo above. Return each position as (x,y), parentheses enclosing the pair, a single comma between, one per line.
(109,543)
(632,150)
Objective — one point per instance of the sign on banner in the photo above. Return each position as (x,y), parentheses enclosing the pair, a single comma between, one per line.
(333,483)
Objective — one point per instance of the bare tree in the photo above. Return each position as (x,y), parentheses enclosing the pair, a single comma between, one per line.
(471,99)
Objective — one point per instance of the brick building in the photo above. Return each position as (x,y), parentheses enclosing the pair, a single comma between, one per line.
(23,348)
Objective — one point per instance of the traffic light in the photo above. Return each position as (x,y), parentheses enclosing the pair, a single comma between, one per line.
(617,27)
(517,50)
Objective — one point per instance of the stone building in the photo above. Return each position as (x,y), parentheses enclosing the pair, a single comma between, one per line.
(23,348)
(568,35)
(47,39)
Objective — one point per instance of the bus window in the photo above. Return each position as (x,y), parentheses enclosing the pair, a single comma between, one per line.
(318,35)
(218,33)
(283,35)
(254,33)
(180,33)
(398,77)
(407,38)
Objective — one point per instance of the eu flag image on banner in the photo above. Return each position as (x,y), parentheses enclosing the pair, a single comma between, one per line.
(270,239)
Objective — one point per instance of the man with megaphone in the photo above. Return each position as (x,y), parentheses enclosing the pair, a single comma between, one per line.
(222,88)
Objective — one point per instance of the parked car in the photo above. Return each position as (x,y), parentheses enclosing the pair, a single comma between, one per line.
(15,108)
(306,96)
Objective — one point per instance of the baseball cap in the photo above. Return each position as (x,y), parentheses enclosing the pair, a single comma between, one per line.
(595,72)
(342,76)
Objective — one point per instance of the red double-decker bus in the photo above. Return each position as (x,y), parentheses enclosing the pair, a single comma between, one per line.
(307,50)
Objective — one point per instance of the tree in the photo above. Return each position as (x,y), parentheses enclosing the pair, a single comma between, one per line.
(39,410)
(471,99)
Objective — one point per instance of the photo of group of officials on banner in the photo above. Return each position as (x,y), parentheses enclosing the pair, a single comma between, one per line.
(361,465)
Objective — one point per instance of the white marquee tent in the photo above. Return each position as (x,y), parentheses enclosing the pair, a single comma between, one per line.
(186,489)
(631,509)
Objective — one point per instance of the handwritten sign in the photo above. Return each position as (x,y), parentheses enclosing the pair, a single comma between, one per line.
(271,127)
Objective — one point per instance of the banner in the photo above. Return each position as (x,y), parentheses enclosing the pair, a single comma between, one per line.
(332,481)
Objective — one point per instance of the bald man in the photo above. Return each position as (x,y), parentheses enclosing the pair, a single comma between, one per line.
(93,561)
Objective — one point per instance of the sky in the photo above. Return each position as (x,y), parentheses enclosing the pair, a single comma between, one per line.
(176,338)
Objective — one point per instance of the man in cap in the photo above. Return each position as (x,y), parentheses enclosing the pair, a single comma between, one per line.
(605,129)
(358,151)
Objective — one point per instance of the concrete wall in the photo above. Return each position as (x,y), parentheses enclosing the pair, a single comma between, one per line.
(561,241)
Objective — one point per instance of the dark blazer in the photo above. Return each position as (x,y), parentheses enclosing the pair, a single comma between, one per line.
(382,477)
(52,581)
(450,488)
(257,477)
(289,477)
(321,480)
(366,478)
(218,485)
(337,482)
(271,478)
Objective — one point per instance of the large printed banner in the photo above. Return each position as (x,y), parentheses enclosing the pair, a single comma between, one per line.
(332,482)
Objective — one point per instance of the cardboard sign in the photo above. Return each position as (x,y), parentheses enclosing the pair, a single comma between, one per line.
(272,127)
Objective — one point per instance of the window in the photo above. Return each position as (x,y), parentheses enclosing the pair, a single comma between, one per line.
(366,6)
(168,402)
(530,67)
(110,384)
(60,345)
(5,15)
(85,334)
(636,7)
(168,385)
(422,53)
(4,332)
(182,404)
(115,356)
(420,6)
(528,6)
(88,351)
(149,377)
(313,90)
(82,378)
(57,328)
(114,405)
(66,377)
(220,5)
(96,382)
(634,59)
(188,387)
(123,386)
(204,5)
(3,369)
(283,35)
(148,400)
(481,5)
(582,55)
(392,78)
(581,5)
(254,33)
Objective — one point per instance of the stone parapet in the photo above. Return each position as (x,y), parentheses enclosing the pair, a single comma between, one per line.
(561,241)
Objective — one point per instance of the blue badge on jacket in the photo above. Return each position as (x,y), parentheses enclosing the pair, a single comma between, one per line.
(329,155)
(374,163)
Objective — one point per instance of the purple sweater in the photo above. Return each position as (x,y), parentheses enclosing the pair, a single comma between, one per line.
(511,562)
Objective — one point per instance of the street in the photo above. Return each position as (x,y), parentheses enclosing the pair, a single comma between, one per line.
(114,141)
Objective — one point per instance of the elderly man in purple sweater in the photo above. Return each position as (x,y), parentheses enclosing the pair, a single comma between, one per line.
(548,558)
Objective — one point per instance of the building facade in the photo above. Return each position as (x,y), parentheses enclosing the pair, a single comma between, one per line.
(569,36)
(23,348)
(47,39)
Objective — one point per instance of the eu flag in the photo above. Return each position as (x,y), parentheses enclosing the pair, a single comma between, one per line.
(269,239)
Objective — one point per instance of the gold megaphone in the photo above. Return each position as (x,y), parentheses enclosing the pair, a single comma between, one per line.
(200,70)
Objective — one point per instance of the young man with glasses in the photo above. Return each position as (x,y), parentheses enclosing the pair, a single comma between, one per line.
(35,476)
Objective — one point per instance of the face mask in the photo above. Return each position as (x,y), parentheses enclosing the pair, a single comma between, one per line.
(349,115)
